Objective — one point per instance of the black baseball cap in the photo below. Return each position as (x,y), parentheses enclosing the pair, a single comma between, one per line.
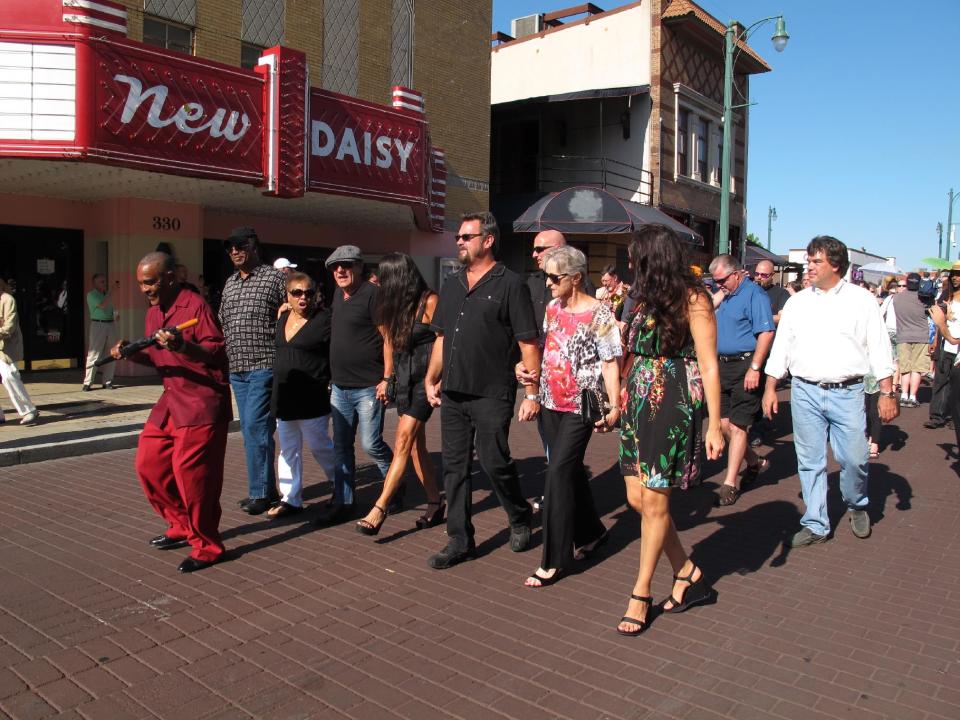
(244,237)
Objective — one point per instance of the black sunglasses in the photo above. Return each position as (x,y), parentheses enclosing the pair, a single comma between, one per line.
(467,236)
(343,264)
(555,279)
(537,249)
(721,281)
(297,292)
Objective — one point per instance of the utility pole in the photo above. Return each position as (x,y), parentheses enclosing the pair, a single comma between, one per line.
(771,216)
(940,240)
(949,223)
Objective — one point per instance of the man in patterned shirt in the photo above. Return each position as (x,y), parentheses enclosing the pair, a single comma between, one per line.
(248,315)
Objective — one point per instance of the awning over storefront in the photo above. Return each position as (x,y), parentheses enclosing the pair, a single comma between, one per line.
(755,254)
(594,211)
(591,94)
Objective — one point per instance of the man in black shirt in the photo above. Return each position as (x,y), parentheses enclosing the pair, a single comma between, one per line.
(483,313)
(361,363)
(778,297)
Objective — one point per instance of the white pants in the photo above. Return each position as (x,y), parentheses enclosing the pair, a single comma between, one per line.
(15,389)
(292,434)
(102,338)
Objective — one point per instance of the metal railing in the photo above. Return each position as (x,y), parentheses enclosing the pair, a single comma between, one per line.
(552,173)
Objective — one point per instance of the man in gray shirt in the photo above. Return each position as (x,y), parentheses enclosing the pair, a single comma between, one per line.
(913,340)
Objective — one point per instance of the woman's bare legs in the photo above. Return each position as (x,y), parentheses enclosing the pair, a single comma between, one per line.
(659,535)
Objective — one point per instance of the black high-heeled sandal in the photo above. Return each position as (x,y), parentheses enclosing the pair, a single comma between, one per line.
(643,624)
(697,593)
(365,527)
(431,519)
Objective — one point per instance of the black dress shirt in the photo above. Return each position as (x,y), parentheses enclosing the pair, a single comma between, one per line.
(481,327)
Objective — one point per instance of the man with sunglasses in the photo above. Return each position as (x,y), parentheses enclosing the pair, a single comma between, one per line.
(778,297)
(361,363)
(248,316)
(744,336)
(484,313)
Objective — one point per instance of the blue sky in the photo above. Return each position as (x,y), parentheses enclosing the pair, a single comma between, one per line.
(856,132)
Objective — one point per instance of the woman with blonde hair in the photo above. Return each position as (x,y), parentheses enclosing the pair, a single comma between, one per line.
(11,352)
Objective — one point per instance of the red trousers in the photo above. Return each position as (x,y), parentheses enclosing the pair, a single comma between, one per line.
(181,471)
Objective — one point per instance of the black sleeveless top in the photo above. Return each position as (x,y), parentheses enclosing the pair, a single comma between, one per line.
(411,364)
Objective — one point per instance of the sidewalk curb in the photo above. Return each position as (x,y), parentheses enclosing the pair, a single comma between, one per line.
(39,452)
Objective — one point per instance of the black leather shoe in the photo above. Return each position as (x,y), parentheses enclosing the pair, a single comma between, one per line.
(934,424)
(451,555)
(338,514)
(162,542)
(191,564)
(243,503)
(258,506)
(519,537)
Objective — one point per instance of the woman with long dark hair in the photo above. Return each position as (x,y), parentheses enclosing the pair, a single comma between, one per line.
(404,310)
(946,316)
(670,371)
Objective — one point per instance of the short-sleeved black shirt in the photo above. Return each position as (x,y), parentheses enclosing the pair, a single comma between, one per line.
(480,329)
(356,345)
(778,298)
(301,370)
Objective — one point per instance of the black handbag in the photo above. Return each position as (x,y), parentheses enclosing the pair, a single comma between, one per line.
(593,405)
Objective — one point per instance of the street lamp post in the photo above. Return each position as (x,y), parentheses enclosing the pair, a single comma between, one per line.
(771,216)
(731,38)
(940,242)
(949,227)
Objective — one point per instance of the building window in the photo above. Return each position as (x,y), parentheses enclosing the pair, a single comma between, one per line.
(683,138)
(250,55)
(718,166)
(166,34)
(700,130)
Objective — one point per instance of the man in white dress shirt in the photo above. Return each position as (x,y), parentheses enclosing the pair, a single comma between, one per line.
(830,335)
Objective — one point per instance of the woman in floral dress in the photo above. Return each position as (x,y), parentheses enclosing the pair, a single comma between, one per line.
(671,371)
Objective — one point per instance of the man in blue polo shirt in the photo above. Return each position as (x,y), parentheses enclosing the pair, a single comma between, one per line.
(744,336)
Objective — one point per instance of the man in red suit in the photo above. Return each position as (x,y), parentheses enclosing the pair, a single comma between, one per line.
(181,450)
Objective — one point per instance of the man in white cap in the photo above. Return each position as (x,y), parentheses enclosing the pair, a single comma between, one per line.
(283,265)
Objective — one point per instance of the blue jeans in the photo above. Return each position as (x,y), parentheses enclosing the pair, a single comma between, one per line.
(352,408)
(252,390)
(819,414)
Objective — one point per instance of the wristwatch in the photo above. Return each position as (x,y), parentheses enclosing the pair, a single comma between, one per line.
(533,397)
(754,366)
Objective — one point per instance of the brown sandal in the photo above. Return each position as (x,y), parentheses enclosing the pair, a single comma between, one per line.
(728,495)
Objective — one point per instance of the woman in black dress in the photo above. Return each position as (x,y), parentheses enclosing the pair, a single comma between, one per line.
(404,311)
(301,391)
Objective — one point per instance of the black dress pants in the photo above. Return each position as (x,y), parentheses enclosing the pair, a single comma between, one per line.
(570,515)
(464,418)
(955,401)
(940,395)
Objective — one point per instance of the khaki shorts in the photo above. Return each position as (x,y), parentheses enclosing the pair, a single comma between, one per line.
(913,357)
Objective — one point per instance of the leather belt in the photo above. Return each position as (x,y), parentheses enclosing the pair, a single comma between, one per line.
(734,358)
(834,385)
(103,321)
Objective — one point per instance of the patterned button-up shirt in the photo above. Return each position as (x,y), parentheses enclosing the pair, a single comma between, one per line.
(248,315)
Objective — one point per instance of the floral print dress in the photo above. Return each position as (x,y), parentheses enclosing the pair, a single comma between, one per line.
(662,410)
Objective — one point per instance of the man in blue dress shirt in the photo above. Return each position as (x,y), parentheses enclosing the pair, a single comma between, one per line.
(744,336)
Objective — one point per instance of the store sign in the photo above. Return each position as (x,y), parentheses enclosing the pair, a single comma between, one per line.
(175,114)
(366,150)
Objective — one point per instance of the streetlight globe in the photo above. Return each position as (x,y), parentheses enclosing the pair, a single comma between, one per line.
(780,35)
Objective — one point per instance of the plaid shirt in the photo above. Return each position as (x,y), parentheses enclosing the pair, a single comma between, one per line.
(248,316)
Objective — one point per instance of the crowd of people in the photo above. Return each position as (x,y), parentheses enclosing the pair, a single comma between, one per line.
(684,364)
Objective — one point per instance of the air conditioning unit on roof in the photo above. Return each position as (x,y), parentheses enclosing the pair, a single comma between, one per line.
(528,25)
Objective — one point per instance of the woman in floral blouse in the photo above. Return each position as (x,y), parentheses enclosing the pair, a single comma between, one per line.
(671,373)
(581,351)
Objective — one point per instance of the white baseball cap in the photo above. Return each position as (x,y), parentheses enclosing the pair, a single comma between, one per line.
(282,263)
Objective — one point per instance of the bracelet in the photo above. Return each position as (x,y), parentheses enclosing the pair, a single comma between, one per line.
(385,379)
(891,394)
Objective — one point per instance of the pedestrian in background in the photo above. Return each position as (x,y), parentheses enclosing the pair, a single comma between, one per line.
(251,298)
(11,352)
(102,335)
(913,339)
(944,352)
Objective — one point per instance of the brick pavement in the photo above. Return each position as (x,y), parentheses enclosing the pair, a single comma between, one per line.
(305,623)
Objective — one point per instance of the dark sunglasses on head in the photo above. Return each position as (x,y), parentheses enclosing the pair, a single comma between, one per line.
(298,292)
(555,279)
(467,236)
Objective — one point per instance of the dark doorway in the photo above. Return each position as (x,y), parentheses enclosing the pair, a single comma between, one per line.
(44,267)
